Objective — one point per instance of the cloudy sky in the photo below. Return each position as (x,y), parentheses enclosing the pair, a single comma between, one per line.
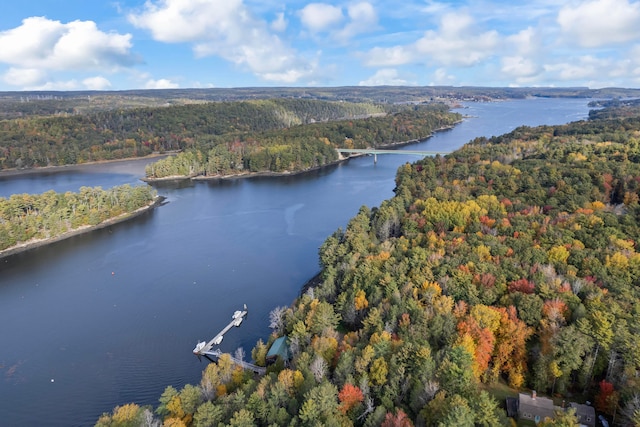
(130,44)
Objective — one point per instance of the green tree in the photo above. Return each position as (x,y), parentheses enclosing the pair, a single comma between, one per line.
(242,418)
(207,415)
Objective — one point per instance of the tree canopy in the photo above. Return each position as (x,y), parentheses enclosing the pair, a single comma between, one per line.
(512,260)
(29,217)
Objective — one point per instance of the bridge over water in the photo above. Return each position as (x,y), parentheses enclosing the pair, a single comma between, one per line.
(376,151)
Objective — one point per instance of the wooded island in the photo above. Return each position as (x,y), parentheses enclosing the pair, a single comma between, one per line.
(29,220)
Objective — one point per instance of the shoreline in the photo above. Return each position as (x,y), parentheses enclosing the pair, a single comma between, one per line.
(76,166)
(243,175)
(36,243)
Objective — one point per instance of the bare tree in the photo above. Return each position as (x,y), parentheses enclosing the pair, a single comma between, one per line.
(310,293)
(208,389)
(240,354)
(294,346)
(148,420)
(276,319)
(430,390)
(318,368)
(368,407)
(631,410)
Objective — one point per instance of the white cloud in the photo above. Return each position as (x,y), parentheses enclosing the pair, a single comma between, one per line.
(598,23)
(320,16)
(96,83)
(279,24)
(362,19)
(585,67)
(441,77)
(433,7)
(519,67)
(160,84)
(224,28)
(56,85)
(526,42)
(79,45)
(390,56)
(178,21)
(23,77)
(386,77)
(457,42)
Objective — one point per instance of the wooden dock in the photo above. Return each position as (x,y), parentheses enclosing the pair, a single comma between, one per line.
(205,348)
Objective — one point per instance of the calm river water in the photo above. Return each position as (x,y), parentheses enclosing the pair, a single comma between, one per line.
(111,317)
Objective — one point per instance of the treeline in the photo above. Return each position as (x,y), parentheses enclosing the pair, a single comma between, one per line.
(26,217)
(513,260)
(304,146)
(125,133)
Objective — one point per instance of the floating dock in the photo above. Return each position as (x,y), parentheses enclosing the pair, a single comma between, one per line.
(205,348)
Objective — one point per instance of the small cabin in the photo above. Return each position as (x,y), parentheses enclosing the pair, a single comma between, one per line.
(279,348)
(586,414)
(535,408)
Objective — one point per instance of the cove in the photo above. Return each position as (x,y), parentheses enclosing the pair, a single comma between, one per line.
(112,316)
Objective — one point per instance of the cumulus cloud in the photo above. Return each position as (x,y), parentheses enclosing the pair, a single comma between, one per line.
(56,85)
(386,77)
(24,77)
(279,24)
(41,43)
(457,42)
(318,17)
(441,77)
(525,42)
(518,67)
(161,84)
(96,83)
(598,23)
(582,68)
(224,28)
(362,19)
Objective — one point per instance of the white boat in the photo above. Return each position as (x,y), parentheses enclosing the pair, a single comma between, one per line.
(199,347)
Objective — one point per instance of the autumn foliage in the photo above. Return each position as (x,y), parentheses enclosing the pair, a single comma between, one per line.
(349,397)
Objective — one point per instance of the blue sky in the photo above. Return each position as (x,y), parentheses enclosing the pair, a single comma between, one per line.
(134,44)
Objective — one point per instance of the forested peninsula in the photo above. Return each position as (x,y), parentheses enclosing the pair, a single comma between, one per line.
(218,138)
(307,142)
(30,220)
(509,265)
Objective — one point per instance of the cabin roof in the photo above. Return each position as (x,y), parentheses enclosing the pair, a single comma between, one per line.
(535,407)
(279,348)
(586,414)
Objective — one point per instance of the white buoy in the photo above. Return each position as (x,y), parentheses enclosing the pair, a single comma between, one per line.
(51,379)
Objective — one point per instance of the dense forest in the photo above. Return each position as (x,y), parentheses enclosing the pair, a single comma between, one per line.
(509,264)
(125,133)
(29,217)
(302,146)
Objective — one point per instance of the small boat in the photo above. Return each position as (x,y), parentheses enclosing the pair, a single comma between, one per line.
(199,347)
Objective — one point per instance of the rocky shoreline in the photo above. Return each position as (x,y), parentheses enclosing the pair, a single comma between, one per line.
(36,243)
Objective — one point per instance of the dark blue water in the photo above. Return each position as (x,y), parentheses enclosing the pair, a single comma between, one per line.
(111,317)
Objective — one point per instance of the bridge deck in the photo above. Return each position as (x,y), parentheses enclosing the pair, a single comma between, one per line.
(387,151)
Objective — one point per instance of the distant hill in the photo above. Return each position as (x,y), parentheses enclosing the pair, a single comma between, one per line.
(20,104)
